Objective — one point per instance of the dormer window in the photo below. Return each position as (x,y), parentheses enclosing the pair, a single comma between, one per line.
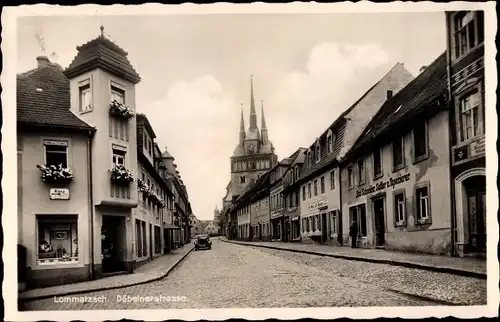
(318,152)
(329,145)
(309,158)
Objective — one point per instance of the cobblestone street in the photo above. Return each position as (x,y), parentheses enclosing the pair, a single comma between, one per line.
(229,276)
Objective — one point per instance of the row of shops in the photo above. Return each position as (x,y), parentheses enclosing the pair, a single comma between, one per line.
(403,168)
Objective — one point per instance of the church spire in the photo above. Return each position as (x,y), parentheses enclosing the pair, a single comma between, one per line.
(253,114)
(242,128)
(264,127)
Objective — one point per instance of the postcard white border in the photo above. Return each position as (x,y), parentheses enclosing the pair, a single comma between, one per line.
(8,79)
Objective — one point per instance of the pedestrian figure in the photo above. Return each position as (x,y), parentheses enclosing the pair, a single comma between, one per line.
(353,232)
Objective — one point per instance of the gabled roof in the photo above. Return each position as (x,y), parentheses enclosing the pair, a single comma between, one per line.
(143,120)
(105,54)
(427,88)
(43,99)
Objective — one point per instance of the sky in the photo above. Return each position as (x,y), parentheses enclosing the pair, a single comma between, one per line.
(195,70)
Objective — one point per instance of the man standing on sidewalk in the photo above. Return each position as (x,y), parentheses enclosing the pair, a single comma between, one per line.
(353,232)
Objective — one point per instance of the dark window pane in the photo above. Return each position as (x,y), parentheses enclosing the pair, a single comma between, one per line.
(419,137)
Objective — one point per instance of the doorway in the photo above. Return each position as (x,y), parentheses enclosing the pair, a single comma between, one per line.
(379,216)
(324,228)
(112,243)
(476,212)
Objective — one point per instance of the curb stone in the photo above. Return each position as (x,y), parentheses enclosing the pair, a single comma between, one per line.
(439,269)
(106,288)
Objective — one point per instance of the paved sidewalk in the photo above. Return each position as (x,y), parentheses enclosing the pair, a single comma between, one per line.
(149,272)
(471,267)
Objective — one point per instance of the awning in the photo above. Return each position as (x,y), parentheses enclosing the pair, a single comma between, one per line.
(170,226)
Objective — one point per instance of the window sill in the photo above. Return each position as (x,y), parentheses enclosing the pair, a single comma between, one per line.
(400,224)
(421,158)
(86,111)
(424,221)
(361,183)
(398,168)
(465,54)
(378,176)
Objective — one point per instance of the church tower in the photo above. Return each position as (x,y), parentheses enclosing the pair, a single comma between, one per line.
(254,155)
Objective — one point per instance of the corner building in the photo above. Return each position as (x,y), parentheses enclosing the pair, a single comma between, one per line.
(100,74)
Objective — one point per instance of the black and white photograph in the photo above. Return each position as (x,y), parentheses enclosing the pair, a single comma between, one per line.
(256,160)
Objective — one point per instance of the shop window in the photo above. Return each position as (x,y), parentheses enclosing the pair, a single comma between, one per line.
(399,208)
(470,118)
(56,153)
(422,203)
(57,239)
(358,214)
(85,96)
(322,185)
(377,163)
(361,171)
(397,154)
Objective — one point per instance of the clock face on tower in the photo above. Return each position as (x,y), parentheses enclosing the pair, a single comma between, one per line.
(251,147)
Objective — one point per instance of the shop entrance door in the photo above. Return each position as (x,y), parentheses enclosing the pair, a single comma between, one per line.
(476,211)
(112,243)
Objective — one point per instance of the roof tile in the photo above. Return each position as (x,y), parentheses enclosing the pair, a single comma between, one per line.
(43,99)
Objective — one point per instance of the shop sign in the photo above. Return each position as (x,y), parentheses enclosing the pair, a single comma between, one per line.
(292,209)
(59,194)
(276,213)
(318,204)
(392,182)
(477,147)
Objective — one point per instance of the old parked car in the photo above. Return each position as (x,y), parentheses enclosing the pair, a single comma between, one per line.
(202,241)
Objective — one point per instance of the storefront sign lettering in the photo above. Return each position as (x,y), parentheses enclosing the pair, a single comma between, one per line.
(477,147)
(276,214)
(60,194)
(318,204)
(392,182)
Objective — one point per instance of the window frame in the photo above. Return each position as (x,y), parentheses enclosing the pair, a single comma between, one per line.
(122,153)
(309,190)
(361,172)
(424,156)
(467,91)
(322,187)
(50,220)
(332,180)
(116,88)
(63,142)
(427,220)
(381,173)
(398,167)
(457,52)
(350,177)
(85,87)
(315,185)
(399,222)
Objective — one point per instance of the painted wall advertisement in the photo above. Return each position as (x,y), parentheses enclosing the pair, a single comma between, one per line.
(391,182)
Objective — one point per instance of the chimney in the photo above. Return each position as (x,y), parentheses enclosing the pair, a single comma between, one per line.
(42,61)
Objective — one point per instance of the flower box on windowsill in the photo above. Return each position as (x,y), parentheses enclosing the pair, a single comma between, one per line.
(52,174)
(121,175)
(121,110)
(142,187)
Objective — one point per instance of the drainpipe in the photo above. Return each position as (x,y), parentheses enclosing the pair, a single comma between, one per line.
(91,201)
(450,142)
(340,232)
